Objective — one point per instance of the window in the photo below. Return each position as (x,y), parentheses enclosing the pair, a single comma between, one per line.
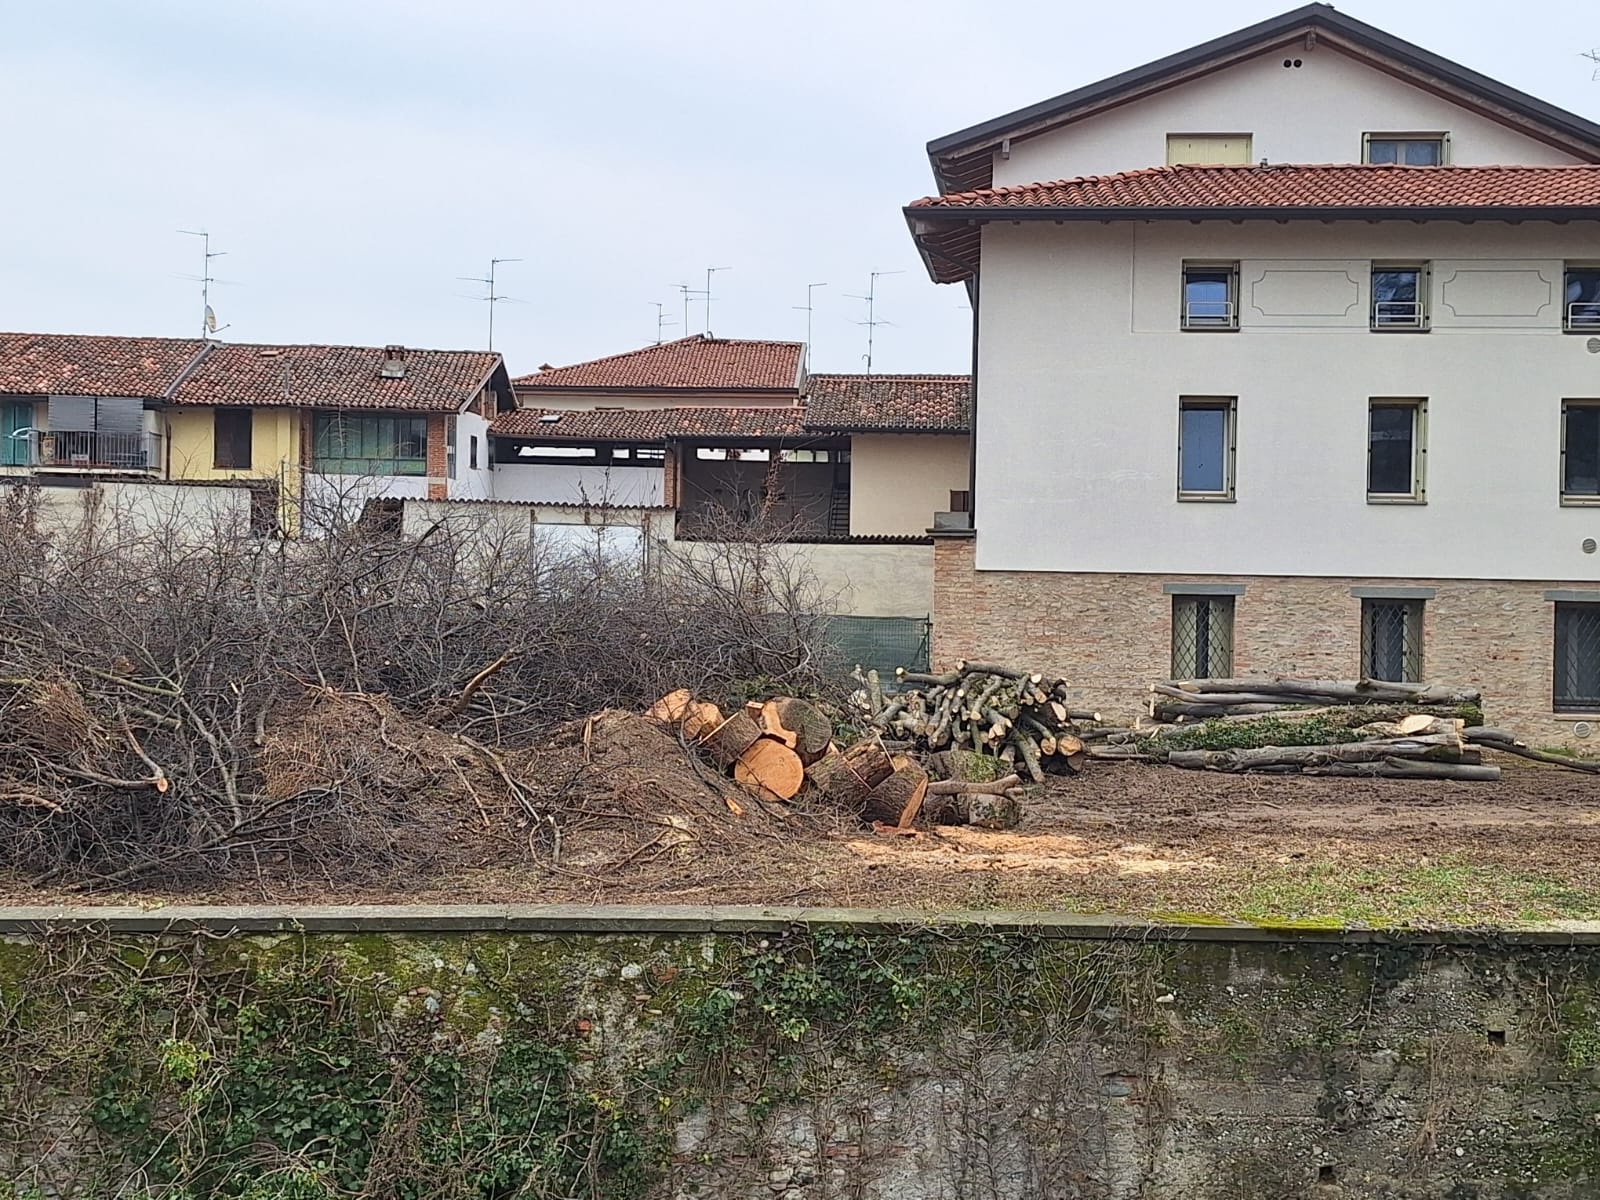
(1577,664)
(230,438)
(1395,451)
(1405,149)
(1399,296)
(1391,640)
(346,444)
(1210,296)
(1201,149)
(16,433)
(1580,451)
(1205,448)
(1580,311)
(1202,637)
(472,452)
(961,501)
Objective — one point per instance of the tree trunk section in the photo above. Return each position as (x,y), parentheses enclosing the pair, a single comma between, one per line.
(769,768)
(732,738)
(847,779)
(898,798)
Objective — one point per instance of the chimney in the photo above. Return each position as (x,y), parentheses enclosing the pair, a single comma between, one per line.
(394,362)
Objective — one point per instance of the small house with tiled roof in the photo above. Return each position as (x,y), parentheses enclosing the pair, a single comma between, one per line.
(707,425)
(382,421)
(1286,360)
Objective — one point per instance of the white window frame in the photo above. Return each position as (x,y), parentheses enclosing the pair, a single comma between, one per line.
(1191,323)
(1419,450)
(1589,315)
(1230,406)
(1442,137)
(1418,322)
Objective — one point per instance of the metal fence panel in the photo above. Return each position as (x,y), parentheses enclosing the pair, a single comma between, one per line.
(881,643)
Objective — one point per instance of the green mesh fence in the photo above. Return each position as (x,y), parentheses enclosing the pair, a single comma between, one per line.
(881,642)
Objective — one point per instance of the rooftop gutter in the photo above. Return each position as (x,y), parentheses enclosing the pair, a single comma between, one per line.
(952,215)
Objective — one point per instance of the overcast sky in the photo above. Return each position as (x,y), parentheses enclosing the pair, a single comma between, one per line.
(353,158)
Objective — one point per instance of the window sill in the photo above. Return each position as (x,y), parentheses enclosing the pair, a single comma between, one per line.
(1208,328)
(1412,501)
(1580,501)
(1202,498)
(1400,328)
(1588,329)
(1561,714)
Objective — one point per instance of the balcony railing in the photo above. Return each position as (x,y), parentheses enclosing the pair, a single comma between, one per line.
(1209,314)
(85,450)
(1583,314)
(1397,314)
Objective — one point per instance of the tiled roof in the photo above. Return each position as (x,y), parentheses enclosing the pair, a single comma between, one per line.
(650,424)
(336,377)
(45,364)
(897,403)
(1357,185)
(697,363)
(190,371)
(947,228)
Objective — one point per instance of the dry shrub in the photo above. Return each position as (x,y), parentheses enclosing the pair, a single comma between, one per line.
(186,704)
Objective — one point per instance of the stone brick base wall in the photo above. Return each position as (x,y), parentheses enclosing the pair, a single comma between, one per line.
(1110,635)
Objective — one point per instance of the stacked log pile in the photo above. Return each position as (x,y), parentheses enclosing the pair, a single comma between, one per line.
(778,749)
(991,709)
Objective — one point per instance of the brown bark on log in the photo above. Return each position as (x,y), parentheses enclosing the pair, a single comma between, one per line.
(898,798)
(992,812)
(769,768)
(1445,747)
(1028,750)
(772,724)
(848,779)
(732,738)
(1399,768)
(813,732)
(923,679)
(955,787)
(1555,760)
(1359,691)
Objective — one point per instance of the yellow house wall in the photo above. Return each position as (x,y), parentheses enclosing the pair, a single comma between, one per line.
(274,445)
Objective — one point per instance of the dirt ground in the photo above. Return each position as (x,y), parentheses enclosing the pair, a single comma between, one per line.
(640,822)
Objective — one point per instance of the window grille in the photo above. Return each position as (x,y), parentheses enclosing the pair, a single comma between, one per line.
(1391,640)
(1202,637)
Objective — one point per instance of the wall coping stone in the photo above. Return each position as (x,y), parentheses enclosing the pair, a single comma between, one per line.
(669,919)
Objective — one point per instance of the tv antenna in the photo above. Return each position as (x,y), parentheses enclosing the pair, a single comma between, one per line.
(873,320)
(662,320)
(208,317)
(806,308)
(493,297)
(709,272)
(686,292)
(1594,57)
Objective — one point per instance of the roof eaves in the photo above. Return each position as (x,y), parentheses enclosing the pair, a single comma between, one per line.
(1247,212)
(1222,51)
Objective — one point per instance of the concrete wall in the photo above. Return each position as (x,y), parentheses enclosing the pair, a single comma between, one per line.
(1082,364)
(136,509)
(1315,113)
(561,484)
(815,1055)
(898,481)
(467,483)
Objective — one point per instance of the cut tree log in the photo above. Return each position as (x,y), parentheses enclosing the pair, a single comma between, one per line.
(1443,747)
(771,769)
(1416,723)
(772,725)
(732,738)
(672,707)
(812,731)
(1586,766)
(700,720)
(898,799)
(1359,691)
(847,779)
(955,787)
(982,809)
(1400,768)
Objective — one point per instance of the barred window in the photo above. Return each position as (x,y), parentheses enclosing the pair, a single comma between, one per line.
(1202,637)
(1391,640)
(1577,665)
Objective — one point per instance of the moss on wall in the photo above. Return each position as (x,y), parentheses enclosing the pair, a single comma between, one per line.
(906,1063)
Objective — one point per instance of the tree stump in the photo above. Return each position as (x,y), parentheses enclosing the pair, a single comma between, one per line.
(897,800)
(802,726)
(732,738)
(770,769)
(847,779)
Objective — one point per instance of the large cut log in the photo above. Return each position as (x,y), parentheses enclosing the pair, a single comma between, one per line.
(770,769)
(982,809)
(1411,726)
(1442,747)
(806,724)
(922,679)
(1586,766)
(897,800)
(847,779)
(979,668)
(1400,768)
(699,720)
(1359,691)
(672,707)
(955,787)
(732,738)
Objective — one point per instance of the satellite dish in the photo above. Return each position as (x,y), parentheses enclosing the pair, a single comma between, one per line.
(211,319)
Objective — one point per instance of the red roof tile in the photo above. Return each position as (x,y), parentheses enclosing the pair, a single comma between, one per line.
(336,377)
(891,403)
(946,228)
(650,424)
(697,363)
(190,371)
(45,364)
(1359,185)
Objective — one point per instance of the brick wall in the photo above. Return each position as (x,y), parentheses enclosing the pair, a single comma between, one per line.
(438,455)
(1110,635)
